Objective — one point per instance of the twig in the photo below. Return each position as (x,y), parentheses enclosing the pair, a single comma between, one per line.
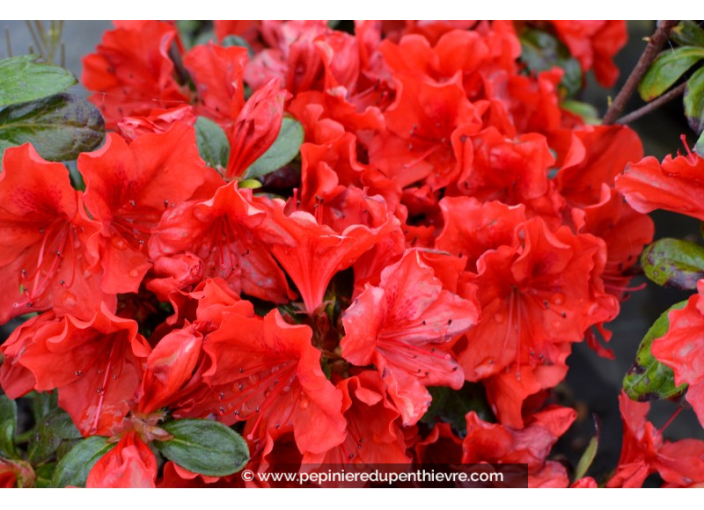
(653,105)
(9,42)
(651,51)
(37,43)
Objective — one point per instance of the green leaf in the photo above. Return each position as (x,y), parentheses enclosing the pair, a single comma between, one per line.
(204,446)
(667,68)
(44,474)
(235,40)
(688,33)
(8,423)
(699,146)
(674,262)
(213,145)
(648,379)
(451,406)
(42,404)
(23,79)
(72,470)
(694,101)
(286,147)
(54,428)
(60,127)
(541,51)
(587,112)
(587,458)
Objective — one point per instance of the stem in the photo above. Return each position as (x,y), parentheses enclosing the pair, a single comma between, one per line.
(655,44)
(653,105)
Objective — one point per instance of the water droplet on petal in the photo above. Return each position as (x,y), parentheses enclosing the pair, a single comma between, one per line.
(558,299)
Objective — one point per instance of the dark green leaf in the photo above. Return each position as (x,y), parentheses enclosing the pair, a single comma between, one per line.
(54,429)
(213,145)
(648,379)
(42,404)
(667,68)
(674,262)
(204,446)
(451,406)
(282,151)
(688,33)
(8,423)
(694,101)
(44,474)
(73,468)
(59,127)
(541,51)
(234,40)
(23,79)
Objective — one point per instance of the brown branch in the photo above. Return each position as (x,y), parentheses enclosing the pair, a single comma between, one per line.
(655,44)
(653,105)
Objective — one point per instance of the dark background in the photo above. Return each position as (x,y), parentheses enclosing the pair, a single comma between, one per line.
(593,384)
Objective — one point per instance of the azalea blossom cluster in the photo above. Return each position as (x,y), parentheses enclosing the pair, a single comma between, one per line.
(448,222)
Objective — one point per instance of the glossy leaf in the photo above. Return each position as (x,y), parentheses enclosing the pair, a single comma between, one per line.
(286,147)
(648,379)
(73,468)
(688,33)
(694,101)
(213,145)
(54,428)
(24,79)
(541,51)
(204,446)
(674,262)
(667,68)
(59,127)
(8,423)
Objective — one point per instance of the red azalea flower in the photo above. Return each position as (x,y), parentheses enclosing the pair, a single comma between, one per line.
(156,121)
(223,233)
(682,349)
(255,128)
(217,74)
(131,72)
(131,464)
(374,436)
(128,188)
(510,391)
(402,327)
(169,367)
(427,124)
(312,253)
(486,442)
(49,256)
(644,452)
(513,171)
(592,157)
(544,288)
(266,372)
(16,379)
(594,43)
(675,185)
(96,365)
